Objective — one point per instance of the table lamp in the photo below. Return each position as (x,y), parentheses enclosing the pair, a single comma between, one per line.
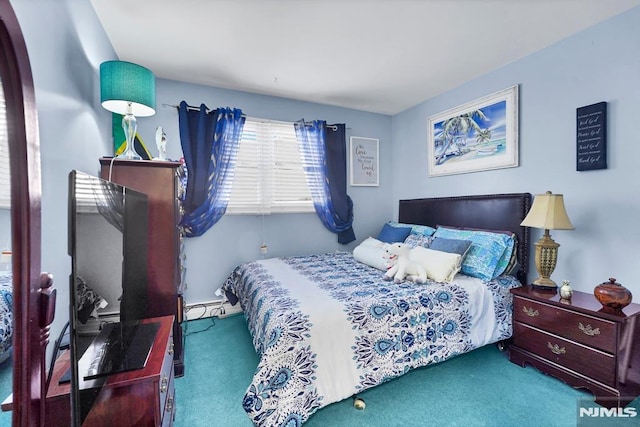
(548,213)
(128,89)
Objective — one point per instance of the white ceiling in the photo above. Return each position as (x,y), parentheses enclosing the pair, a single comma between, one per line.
(374,55)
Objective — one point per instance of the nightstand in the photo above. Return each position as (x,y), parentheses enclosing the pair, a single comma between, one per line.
(578,342)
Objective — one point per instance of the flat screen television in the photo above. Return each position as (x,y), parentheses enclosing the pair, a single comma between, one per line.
(108,235)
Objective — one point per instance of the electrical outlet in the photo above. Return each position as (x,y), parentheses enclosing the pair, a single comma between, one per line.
(229,310)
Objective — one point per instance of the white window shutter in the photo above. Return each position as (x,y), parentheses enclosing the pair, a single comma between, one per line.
(269,177)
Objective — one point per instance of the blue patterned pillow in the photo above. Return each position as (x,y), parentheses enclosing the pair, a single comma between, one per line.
(485,256)
(507,260)
(415,240)
(391,234)
(425,230)
(454,246)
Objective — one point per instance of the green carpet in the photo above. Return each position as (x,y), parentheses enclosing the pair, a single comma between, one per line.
(6,385)
(481,388)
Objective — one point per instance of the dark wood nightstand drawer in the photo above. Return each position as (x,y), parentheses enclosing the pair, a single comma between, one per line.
(596,364)
(588,330)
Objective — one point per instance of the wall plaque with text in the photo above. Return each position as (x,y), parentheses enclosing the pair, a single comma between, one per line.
(591,137)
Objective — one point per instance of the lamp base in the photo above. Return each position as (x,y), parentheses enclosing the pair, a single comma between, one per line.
(546,257)
(129,126)
(543,282)
(129,155)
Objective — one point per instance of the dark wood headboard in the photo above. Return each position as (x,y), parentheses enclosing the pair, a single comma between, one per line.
(502,212)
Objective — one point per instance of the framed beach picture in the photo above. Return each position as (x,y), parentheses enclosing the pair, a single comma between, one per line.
(477,136)
(364,161)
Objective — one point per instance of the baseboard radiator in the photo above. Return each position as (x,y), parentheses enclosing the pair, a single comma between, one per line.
(216,308)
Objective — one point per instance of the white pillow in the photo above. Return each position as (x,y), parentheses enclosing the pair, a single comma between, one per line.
(370,241)
(372,252)
(440,266)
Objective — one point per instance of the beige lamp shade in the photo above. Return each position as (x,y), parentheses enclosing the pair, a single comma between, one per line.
(548,212)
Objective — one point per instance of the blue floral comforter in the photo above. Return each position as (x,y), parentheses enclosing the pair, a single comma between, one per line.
(327,327)
(6,315)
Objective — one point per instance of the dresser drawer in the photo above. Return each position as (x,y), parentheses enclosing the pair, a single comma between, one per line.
(584,360)
(588,330)
(165,383)
(169,407)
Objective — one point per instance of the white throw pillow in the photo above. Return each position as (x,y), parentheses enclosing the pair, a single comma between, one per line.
(440,266)
(372,252)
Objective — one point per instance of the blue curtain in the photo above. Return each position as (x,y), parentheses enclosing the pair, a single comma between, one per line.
(210,141)
(324,153)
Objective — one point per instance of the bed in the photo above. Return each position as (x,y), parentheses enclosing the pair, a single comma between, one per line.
(327,326)
(6,315)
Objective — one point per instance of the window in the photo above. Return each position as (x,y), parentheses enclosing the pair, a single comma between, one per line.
(269,177)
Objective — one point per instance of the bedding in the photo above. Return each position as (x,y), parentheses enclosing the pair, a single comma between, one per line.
(422,230)
(488,255)
(328,326)
(6,315)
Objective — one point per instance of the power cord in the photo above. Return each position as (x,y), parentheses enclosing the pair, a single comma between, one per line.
(111,166)
(54,356)
(186,334)
(204,312)
(215,311)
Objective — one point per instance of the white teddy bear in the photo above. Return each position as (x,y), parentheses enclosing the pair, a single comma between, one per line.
(402,266)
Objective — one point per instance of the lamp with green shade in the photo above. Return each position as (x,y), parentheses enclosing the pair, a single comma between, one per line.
(128,89)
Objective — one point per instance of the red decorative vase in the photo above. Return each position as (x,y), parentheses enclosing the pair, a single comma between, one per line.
(612,295)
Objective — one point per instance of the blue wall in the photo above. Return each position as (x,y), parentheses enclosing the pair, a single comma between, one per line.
(599,64)
(66,45)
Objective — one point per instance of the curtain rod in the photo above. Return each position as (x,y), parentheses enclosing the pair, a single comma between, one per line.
(189,107)
(332,127)
(192,108)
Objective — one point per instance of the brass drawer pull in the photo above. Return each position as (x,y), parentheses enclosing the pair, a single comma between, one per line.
(588,330)
(164,384)
(530,312)
(169,406)
(556,349)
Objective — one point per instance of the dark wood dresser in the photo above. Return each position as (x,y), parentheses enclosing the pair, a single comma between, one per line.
(160,181)
(142,397)
(578,342)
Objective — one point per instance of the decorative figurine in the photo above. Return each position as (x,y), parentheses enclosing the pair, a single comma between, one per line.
(161,143)
(565,290)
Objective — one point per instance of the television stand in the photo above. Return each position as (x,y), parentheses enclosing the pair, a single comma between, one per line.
(128,398)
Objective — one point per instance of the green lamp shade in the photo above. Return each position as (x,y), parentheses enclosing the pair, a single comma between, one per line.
(122,83)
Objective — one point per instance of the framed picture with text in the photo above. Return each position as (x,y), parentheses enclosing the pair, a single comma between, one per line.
(364,161)
(591,137)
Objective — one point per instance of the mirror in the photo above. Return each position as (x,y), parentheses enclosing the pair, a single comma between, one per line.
(31,322)
(6,284)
